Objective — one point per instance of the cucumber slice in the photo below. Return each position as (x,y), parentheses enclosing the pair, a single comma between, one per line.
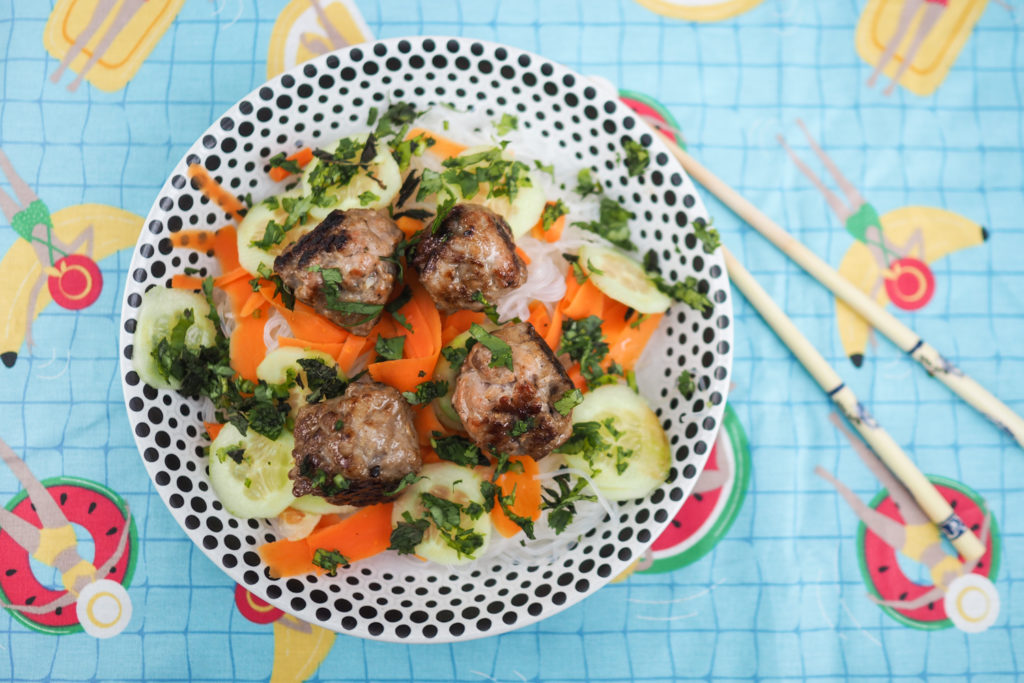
(383,167)
(452,482)
(638,431)
(521,214)
(444,370)
(264,465)
(622,278)
(274,368)
(315,505)
(254,225)
(160,311)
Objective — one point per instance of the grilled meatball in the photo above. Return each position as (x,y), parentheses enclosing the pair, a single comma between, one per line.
(491,401)
(374,447)
(356,243)
(472,252)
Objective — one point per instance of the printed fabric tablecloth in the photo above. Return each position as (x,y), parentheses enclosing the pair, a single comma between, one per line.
(886,134)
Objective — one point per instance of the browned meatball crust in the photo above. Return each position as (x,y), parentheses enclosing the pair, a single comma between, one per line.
(357,243)
(472,251)
(374,447)
(490,401)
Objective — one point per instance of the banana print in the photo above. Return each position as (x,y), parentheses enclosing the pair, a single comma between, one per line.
(943,232)
(113,229)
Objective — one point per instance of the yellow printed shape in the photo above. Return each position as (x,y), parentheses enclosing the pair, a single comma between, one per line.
(700,10)
(937,52)
(943,232)
(308,28)
(299,648)
(113,229)
(123,31)
(52,542)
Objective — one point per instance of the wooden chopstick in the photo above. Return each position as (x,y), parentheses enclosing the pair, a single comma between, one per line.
(927,496)
(876,316)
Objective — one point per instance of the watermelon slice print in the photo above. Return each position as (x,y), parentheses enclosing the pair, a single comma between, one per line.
(705,517)
(881,570)
(90,505)
(650,108)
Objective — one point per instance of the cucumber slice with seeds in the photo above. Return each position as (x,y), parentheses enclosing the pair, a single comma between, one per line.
(637,429)
(274,368)
(253,483)
(452,482)
(160,311)
(623,279)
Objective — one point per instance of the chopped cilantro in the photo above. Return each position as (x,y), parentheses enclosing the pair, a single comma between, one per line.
(568,401)
(333,279)
(586,185)
(408,480)
(235,451)
(544,168)
(408,534)
(367,198)
(637,157)
(273,234)
(339,425)
(288,165)
(561,504)
(372,117)
(455,356)
(490,310)
(447,517)
(322,381)
(443,209)
(688,292)
(280,288)
(395,118)
(584,341)
(551,213)
(707,235)
(456,449)
(525,523)
(503,177)
(577,269)
(329,560)
(507,124)
(613,224)
(426,392)
(389,348)
(501,352)
(686,385)
(520,427)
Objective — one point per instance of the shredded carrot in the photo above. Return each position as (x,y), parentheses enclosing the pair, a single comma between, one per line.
(528,496)
(577,377)
(588,300)
(539,318)
(522,255)
(302,157)
(254,302)
(426,422)
(364,533)
(179,281)
(231,276)
(287,558)
(239,292)
(403,374)
(461,320)
(428,455)
(303,320)
(213,190)
(350,351)
(614,317)
(225,248)
(327,520)
(552,234)
(330,348)
(442,147)
(213,429)
(247,348)
(410,226)
(626,347)
(554,333)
